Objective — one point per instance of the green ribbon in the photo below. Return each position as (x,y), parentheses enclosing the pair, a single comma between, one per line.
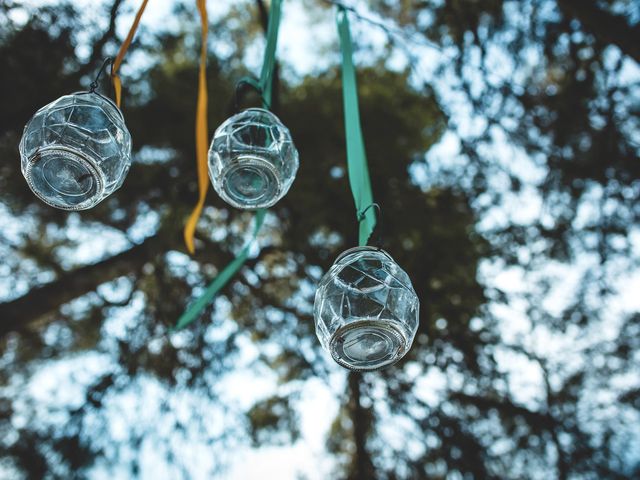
(269,62)
(265,87)
(193,312)
(356,158)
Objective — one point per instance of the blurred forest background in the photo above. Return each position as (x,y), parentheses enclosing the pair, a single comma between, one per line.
(503,141)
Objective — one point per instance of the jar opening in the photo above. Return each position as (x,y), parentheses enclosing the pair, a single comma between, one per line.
(368,344)
(250,182)
(64,178)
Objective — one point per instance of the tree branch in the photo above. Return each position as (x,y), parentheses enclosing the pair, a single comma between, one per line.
(43,299)
(606,27)
(275,95)
(541,421)
(98,46)
(264,15)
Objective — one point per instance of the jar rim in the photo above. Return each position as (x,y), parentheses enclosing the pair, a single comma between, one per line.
(259,109)
(403,347)
(85,159)
(363,248)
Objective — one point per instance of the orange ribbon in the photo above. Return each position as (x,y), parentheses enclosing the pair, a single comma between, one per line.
(202,133)
(115,79)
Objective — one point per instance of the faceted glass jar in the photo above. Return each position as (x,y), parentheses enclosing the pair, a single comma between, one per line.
(252,159)
(366,310)
(76,151)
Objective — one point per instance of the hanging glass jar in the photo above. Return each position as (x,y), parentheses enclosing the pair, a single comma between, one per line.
(76,151)
(252,159)
(366,310)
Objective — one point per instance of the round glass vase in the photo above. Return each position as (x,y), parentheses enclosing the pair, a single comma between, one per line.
(76,151)
(366,310)
(252,159)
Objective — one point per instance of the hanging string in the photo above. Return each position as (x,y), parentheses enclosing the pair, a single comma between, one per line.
(115,79)
(264,87)
(202,132)
(356,158)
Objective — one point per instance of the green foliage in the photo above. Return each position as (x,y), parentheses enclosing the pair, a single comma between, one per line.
(273,421)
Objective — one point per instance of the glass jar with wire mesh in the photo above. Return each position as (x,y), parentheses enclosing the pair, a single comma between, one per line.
(76,151)
(252,159)
(366,310)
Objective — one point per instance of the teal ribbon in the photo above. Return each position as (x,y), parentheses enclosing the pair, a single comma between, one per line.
(356,158)
(269,62)
(193,312)
(265,87)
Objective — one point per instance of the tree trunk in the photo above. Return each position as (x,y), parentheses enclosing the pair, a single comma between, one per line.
(362,467)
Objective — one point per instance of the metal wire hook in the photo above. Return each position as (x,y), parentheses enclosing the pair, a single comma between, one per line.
(248,82)
(378,228)
(94,85)
(363,212)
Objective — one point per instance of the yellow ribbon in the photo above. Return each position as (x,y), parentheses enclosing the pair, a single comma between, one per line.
(202,133)
(115,79)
